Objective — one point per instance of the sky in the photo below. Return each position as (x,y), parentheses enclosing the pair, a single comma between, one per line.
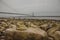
(30,6)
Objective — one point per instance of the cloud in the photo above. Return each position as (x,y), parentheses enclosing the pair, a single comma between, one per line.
(26,6)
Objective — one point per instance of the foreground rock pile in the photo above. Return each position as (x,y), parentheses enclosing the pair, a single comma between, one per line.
(29,29)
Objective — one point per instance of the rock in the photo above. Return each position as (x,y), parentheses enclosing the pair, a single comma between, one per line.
(28,34)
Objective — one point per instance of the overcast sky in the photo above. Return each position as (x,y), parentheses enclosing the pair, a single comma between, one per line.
(29,6)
